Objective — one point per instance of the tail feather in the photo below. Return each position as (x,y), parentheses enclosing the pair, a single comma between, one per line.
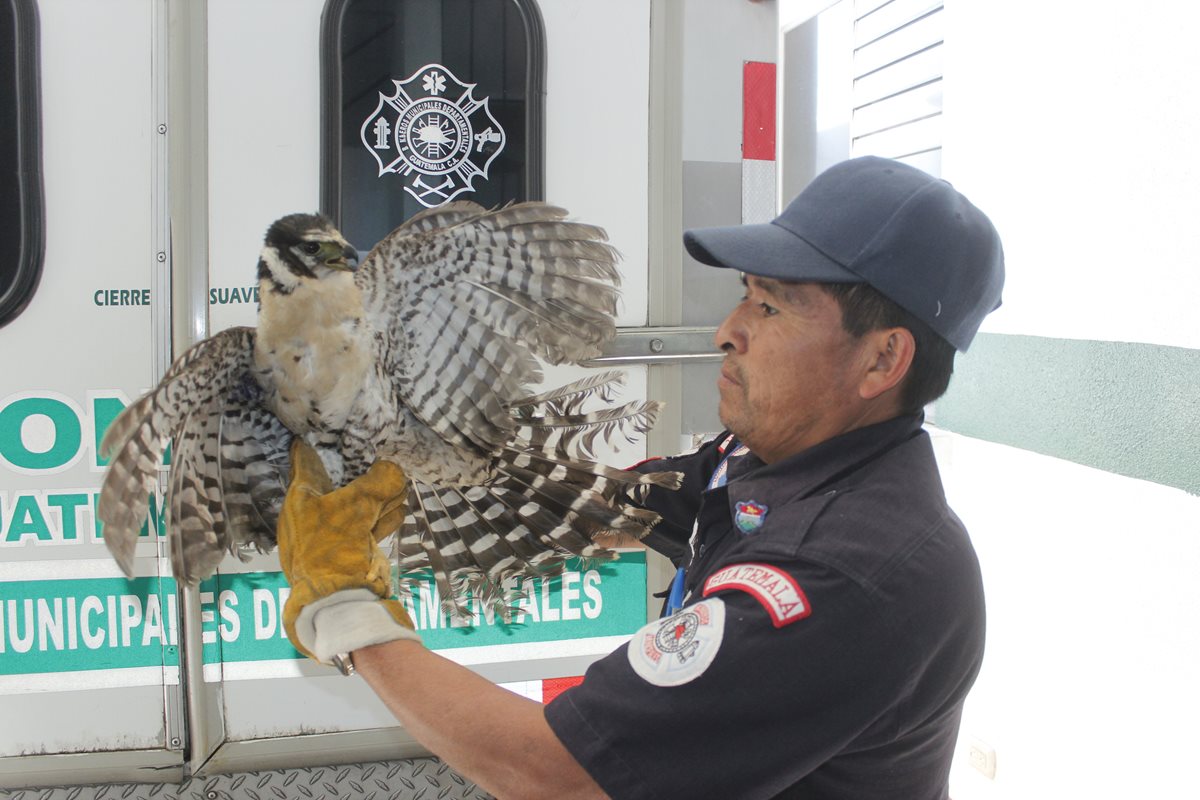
(575,436)
(565,501)
(442,547)
(610,482)
(568,398)
(536,514)
(549,500)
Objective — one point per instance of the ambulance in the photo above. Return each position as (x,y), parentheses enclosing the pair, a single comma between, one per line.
(146,145)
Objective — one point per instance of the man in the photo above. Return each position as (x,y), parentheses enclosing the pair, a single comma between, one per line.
(828,620)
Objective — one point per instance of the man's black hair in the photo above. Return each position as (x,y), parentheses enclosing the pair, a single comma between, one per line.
(864,309)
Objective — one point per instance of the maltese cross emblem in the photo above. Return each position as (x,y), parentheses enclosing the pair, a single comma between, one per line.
(434,134)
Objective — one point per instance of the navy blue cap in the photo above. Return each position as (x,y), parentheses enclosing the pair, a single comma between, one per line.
(910,235)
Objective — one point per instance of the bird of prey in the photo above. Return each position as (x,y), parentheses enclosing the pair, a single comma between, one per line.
(425,354)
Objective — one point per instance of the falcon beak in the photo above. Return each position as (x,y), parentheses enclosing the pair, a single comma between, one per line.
(344,257)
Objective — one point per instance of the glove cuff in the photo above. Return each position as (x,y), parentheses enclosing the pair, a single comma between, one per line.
(347,620)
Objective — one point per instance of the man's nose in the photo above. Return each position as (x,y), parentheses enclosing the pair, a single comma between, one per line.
(729,336)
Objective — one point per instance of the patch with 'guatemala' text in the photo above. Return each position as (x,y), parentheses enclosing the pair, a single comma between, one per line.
(778,592)
(679,648)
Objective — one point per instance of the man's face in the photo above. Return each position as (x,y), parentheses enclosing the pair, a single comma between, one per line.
(791,372)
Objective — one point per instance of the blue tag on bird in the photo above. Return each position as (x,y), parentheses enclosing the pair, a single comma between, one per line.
(749,516)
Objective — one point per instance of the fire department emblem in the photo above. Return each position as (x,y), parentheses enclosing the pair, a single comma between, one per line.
(434,134)
(678,649)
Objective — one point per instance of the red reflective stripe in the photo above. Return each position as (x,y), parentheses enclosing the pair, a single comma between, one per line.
(758,111)
(553,687)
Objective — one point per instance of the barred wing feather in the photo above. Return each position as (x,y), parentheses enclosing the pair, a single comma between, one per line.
(467,296)
(195,407)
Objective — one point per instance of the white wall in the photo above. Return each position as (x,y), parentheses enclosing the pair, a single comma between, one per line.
(1073,124)
(1089,687)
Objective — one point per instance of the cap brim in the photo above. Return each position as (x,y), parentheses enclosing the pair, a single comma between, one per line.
(766,250)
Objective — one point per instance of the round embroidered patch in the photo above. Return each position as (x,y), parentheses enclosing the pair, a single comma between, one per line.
(678,649)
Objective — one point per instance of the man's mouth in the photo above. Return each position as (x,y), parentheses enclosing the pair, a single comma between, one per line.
(729,374)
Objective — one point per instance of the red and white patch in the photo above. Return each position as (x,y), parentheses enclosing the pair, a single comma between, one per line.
(778,592)
(678,649)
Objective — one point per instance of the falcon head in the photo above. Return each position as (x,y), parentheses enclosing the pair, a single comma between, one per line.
(302,247)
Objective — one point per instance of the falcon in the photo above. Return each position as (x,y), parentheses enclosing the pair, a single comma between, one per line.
(425,355)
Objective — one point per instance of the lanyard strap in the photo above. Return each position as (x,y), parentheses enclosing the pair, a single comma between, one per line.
(675,596)
(720,475)
(719,478)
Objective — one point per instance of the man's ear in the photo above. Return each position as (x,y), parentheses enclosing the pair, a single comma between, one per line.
(890,351)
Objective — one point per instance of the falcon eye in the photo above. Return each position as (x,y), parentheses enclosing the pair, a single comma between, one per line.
(312,248)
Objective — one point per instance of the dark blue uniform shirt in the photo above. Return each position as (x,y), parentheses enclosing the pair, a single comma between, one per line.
(833,625)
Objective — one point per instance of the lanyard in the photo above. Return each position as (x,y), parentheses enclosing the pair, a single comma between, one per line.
(719,478)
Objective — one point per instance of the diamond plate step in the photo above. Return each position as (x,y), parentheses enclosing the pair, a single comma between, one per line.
(410,779)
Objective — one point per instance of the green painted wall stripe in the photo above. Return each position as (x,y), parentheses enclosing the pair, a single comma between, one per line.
(1132,409)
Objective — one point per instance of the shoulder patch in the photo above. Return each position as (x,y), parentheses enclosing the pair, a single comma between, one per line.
(679,648)
(749,516)
(778,592)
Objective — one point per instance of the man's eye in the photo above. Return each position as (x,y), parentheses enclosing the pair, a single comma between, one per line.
(767,310)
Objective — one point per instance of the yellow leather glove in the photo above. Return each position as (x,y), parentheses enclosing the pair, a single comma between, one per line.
(341,587)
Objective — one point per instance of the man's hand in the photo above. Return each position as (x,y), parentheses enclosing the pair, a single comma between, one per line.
(328,545)
(328,548)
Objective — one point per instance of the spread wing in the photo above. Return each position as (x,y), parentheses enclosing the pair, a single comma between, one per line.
(466,297)
(208,405)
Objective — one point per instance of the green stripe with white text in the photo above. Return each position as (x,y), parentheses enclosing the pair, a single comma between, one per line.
(67,625)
